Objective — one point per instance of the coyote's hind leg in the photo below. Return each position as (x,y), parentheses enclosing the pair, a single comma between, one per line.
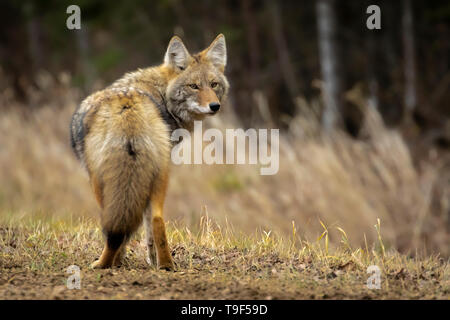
(120,255)
(149,240)
(114,242)
(159,230)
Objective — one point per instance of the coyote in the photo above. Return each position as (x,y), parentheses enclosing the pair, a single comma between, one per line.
(122,137)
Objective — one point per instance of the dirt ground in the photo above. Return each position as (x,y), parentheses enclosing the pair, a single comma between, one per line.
(34,262)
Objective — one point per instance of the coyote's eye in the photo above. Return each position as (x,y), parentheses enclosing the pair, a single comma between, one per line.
(214,84)
(193,86)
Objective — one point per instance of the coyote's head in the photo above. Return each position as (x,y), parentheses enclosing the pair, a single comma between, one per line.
(199,86)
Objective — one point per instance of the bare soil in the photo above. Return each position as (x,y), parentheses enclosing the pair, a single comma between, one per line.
(33,265)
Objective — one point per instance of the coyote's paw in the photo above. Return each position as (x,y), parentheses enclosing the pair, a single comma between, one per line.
(167,265)
(98,265)
(117,263)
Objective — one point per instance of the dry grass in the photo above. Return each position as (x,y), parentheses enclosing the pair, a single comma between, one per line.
(213,262)
(343,182)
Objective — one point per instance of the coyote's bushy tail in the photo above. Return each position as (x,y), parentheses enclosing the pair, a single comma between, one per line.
(127,182)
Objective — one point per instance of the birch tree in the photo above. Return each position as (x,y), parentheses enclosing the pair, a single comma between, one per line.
(410,99)
(328,63)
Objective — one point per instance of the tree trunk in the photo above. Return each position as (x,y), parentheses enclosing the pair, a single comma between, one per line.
(286,66)
(34,30)
(410,99)
(86,65)
(328,64)
(373,100)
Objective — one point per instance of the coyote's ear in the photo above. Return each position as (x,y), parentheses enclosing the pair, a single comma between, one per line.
(177,55)
(217,52)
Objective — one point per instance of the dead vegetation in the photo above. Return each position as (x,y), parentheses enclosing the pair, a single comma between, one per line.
(213,262)
(336,206)
(344,182)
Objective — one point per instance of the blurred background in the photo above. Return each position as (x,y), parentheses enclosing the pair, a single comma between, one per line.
(363,114)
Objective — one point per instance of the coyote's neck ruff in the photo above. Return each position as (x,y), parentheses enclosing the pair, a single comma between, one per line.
(122,136)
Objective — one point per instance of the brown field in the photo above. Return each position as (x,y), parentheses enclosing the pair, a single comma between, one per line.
(212,263)
(306,232)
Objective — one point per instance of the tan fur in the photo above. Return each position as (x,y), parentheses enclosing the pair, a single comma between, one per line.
(206,96)
(122,136)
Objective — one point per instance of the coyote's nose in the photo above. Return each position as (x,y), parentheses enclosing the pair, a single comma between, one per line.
(214,106)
